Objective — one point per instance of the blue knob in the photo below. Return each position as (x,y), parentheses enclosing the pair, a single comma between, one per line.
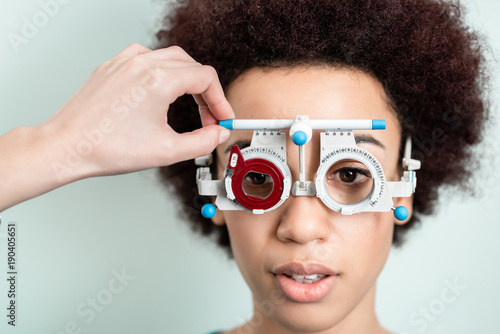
(299,138)
(208,211)
(228,124)
(401,213)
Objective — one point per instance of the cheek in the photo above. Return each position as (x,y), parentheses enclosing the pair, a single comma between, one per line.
(250,238)
(251,235)
(367,238)
(248,233)
(238,225)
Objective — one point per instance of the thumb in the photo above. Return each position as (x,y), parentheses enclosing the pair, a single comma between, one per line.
(199,142)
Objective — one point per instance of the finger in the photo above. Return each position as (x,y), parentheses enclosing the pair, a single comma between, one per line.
(201,80)
(205,114)
(169,64)
(215,106)
(199,142)
(170,53)
(133,49)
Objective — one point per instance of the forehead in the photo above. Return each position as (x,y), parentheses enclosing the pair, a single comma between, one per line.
(319,92)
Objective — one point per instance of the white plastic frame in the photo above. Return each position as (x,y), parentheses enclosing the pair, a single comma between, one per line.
(336,144)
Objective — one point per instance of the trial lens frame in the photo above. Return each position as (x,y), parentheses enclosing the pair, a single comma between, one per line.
(267,154)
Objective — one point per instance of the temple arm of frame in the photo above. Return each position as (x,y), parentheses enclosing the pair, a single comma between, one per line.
(206,186)
(408,162)
(405,187)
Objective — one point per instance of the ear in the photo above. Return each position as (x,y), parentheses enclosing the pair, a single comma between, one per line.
(407,202)
(218,219)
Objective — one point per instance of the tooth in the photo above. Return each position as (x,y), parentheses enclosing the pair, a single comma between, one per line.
(314,276)
(307,279)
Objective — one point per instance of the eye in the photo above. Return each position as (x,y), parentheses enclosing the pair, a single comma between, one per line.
(348,181)
(258,185)
(348,174)
(351,175)
(257,178)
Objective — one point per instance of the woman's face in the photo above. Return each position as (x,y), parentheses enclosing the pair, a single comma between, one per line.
(303,230)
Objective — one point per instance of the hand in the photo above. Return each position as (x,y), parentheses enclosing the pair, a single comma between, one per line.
(117,121)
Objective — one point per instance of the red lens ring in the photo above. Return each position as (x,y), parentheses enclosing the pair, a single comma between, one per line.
(260,166)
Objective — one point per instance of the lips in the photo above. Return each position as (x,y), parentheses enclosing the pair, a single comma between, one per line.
(306,269)
(306,283)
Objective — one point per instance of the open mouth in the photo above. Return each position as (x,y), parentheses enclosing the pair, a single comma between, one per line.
(305,282)
(306,279)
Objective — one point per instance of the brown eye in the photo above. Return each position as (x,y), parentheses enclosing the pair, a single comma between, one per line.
(256,178)
(347,176)
(352,175)
(258,185)
(348,182)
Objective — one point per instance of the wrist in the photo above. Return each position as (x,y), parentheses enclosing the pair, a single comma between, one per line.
(57,151)
(25,171)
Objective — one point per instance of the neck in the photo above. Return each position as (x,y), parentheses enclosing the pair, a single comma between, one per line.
(361,320)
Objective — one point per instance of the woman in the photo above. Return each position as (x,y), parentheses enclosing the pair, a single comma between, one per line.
(414,64)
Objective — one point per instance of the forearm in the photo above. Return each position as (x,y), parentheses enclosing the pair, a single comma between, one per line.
(28,166)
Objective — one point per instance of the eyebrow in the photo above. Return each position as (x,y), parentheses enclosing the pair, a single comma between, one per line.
(369,140)
(361,139)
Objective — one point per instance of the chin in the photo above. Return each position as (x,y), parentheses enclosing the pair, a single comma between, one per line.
(306,317)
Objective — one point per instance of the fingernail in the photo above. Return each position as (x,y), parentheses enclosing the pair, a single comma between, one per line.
(224,135)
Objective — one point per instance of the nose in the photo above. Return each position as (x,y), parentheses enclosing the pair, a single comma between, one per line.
(303,220)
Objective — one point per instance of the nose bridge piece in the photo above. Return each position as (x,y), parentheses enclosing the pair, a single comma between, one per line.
(301,134)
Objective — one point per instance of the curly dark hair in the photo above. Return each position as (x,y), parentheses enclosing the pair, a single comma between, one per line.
(430,63)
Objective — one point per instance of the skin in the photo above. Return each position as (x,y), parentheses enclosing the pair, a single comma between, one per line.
(356,247)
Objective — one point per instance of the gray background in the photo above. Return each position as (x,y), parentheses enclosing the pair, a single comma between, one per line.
(73,238)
